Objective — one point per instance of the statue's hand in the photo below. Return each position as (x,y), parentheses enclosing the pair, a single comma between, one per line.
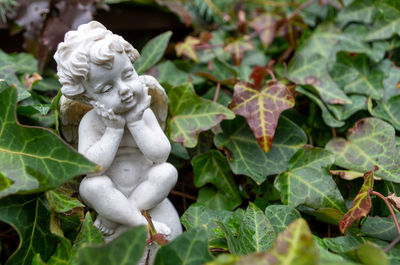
(136,113)
(112,120)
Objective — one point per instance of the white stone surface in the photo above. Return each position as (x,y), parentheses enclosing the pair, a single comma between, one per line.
(122,133)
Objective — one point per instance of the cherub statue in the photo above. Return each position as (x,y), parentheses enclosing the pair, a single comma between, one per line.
(122,132)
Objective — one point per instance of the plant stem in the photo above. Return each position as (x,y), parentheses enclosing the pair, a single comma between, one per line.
(396,222)
(392,244)
(299,9)
(217,92)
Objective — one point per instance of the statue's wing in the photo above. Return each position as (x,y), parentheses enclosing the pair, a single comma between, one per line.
(71,113)
(159,99)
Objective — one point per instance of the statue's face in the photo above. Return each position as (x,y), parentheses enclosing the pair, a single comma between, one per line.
(118,89)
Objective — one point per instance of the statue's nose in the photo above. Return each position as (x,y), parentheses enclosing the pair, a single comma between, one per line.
(123,89)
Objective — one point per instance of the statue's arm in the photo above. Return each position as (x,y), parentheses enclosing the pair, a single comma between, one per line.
(150,138)
(95,145)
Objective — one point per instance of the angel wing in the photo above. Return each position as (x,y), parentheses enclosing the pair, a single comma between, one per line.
(72,111)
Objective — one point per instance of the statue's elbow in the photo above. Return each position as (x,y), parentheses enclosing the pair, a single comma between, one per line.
(161,153)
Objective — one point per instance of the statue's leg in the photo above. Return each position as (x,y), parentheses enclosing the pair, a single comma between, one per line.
(100,193)
(161,178)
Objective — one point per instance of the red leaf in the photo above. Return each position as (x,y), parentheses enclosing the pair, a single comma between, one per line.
(361,203)
(262,108)
(258,75)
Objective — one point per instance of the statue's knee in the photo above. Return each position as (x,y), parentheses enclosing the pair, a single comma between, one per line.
(164,174)
(93,186)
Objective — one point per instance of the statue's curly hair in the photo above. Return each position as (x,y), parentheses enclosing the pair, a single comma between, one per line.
(91,42)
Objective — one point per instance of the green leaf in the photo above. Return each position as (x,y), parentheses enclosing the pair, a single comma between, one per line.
(355,74)
(34,159)
(280,216)
(327,116)
(380,227)
(389,111)
(390,24)
(371,254)
(12,65)
(62,253)
(152,52)
(307,181)
(216,200)
(88,235)
(362,203)
(126,249)
(370,142)
(246,156)
(190,248)
(168,72)
(391,82)
(212,167)
(256,233)
(343,244)
(312,70)
(262,108)
(233,243)
(198,215)
(61,200)
(191,115)
(358,11)
(30,217)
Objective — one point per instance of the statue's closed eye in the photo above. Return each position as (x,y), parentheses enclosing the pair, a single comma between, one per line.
(106,88)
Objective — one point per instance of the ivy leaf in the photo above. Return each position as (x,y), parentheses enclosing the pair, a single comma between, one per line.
(327,116)
(191,115)
(354,75)
(280,216)
(265,25)
(380,227)
(362,204)
(62,253)
(370,142)
(246,156)
(238,48)
(371,254)
(152,52)
(212,167)
(198,215)
(88,235)
(190,248)
(389,111)
(168,72)
(358,11)
(307,181)
(312,70)
(30,217)
(12,65)
(63,198)
(295,245)
(187,48)
(390,24)
(392,79)
(215,199)
(256,233)
(126,249)
(34,159)
(262,108)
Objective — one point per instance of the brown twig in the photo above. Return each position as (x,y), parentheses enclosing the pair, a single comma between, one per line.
(217,92)
(184,195)
(271,74)
(392,244)
(396,222)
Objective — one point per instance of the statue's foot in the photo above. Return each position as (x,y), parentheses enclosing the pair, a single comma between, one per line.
(161,228)
(106,227)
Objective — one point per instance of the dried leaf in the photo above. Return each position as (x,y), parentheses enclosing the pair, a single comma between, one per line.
(238,48)
(262,108)
(394,200)
(361,204)
(178,8)
(265,25)
(187,48)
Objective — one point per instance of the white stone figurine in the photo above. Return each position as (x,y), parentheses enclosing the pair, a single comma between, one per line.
(122,133)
